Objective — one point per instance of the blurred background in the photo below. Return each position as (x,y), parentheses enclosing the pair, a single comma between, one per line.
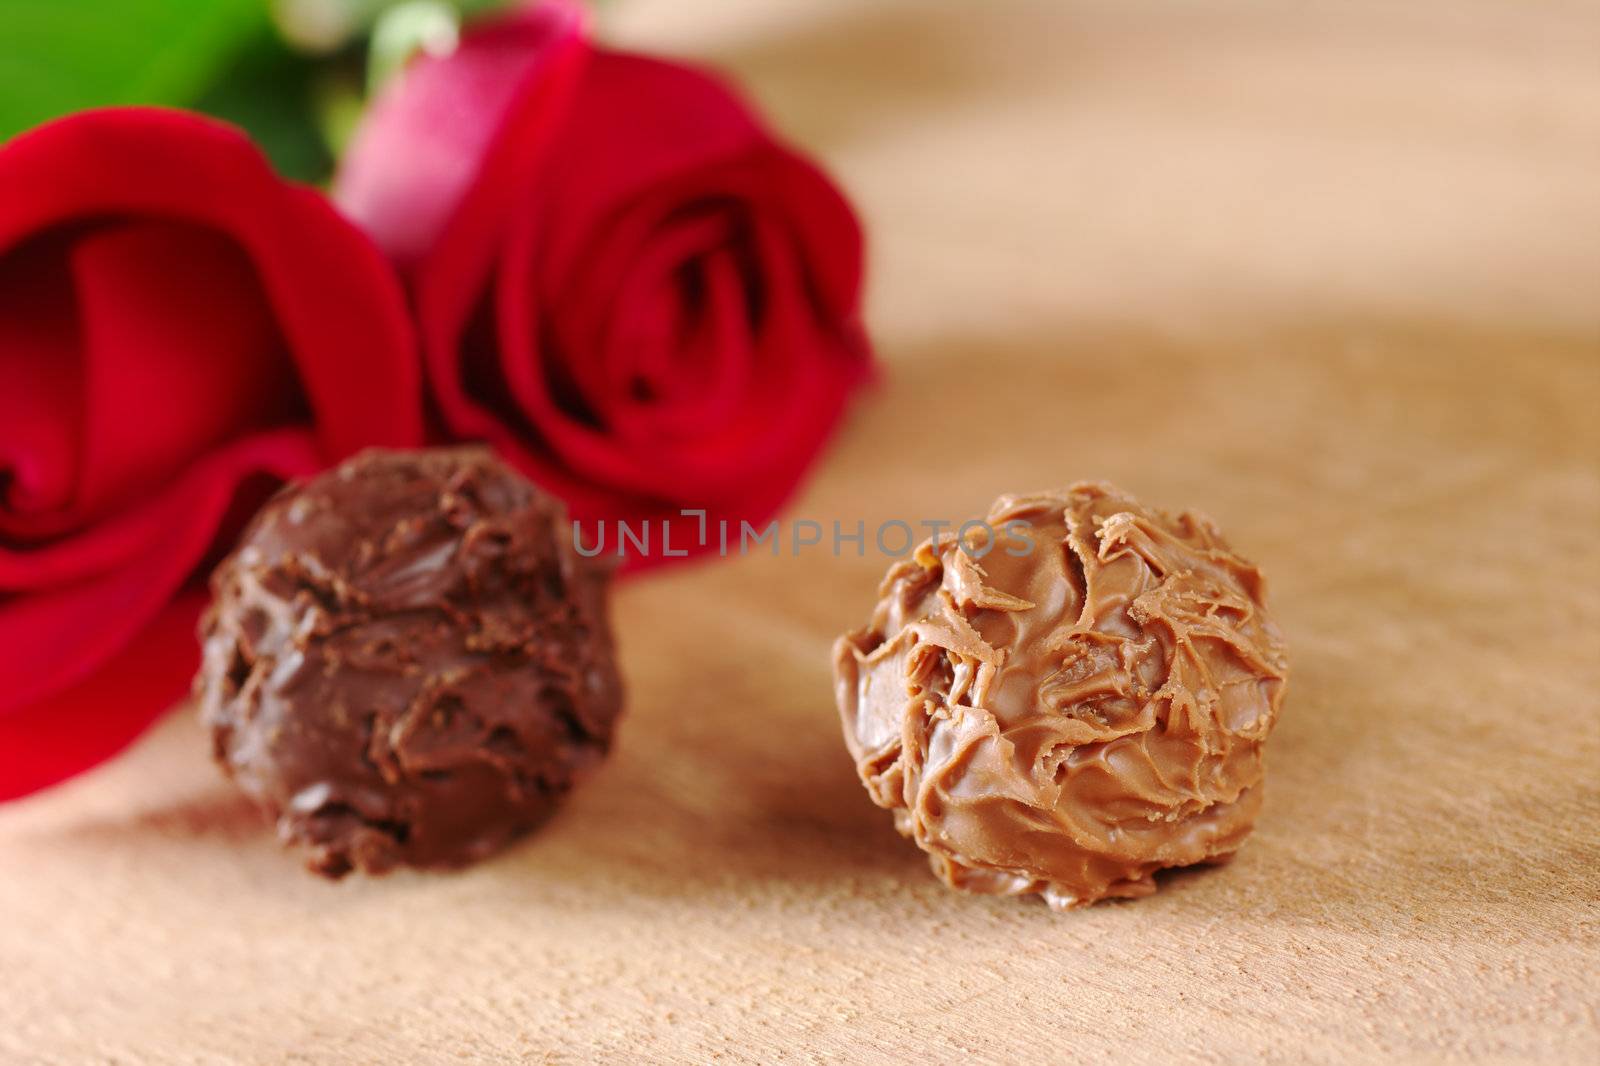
(1163,160)
(1221,153)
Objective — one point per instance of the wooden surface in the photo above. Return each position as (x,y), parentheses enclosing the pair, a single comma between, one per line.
(1334,274)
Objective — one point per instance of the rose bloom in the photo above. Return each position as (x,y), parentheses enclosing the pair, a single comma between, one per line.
(623,281)
(179,330)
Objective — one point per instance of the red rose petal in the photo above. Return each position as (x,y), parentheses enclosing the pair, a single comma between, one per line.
(55,738)
(57,635)
(41,404)
(174,316)
(337,303)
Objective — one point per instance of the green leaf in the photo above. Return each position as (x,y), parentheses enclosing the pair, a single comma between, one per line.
(60,56)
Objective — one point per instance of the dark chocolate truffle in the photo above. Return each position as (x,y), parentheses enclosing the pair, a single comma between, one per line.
(407,662)
(1080,707)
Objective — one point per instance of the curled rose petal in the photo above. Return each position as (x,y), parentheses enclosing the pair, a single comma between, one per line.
(185,329)
(62,631)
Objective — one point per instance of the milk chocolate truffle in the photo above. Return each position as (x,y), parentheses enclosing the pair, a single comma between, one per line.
(407,662)
(1084,705)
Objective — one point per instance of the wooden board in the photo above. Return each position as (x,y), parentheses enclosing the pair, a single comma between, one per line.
(1335,273)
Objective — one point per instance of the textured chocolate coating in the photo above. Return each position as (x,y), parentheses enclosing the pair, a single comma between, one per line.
(1080,708)
(406,662)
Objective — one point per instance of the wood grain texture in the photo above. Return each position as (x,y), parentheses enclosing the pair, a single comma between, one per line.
(1333,271)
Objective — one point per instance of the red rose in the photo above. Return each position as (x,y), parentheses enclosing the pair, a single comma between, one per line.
(175,322)
(622,280)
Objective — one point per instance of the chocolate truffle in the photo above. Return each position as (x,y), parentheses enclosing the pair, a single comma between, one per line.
(407,662)
(1080,707)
